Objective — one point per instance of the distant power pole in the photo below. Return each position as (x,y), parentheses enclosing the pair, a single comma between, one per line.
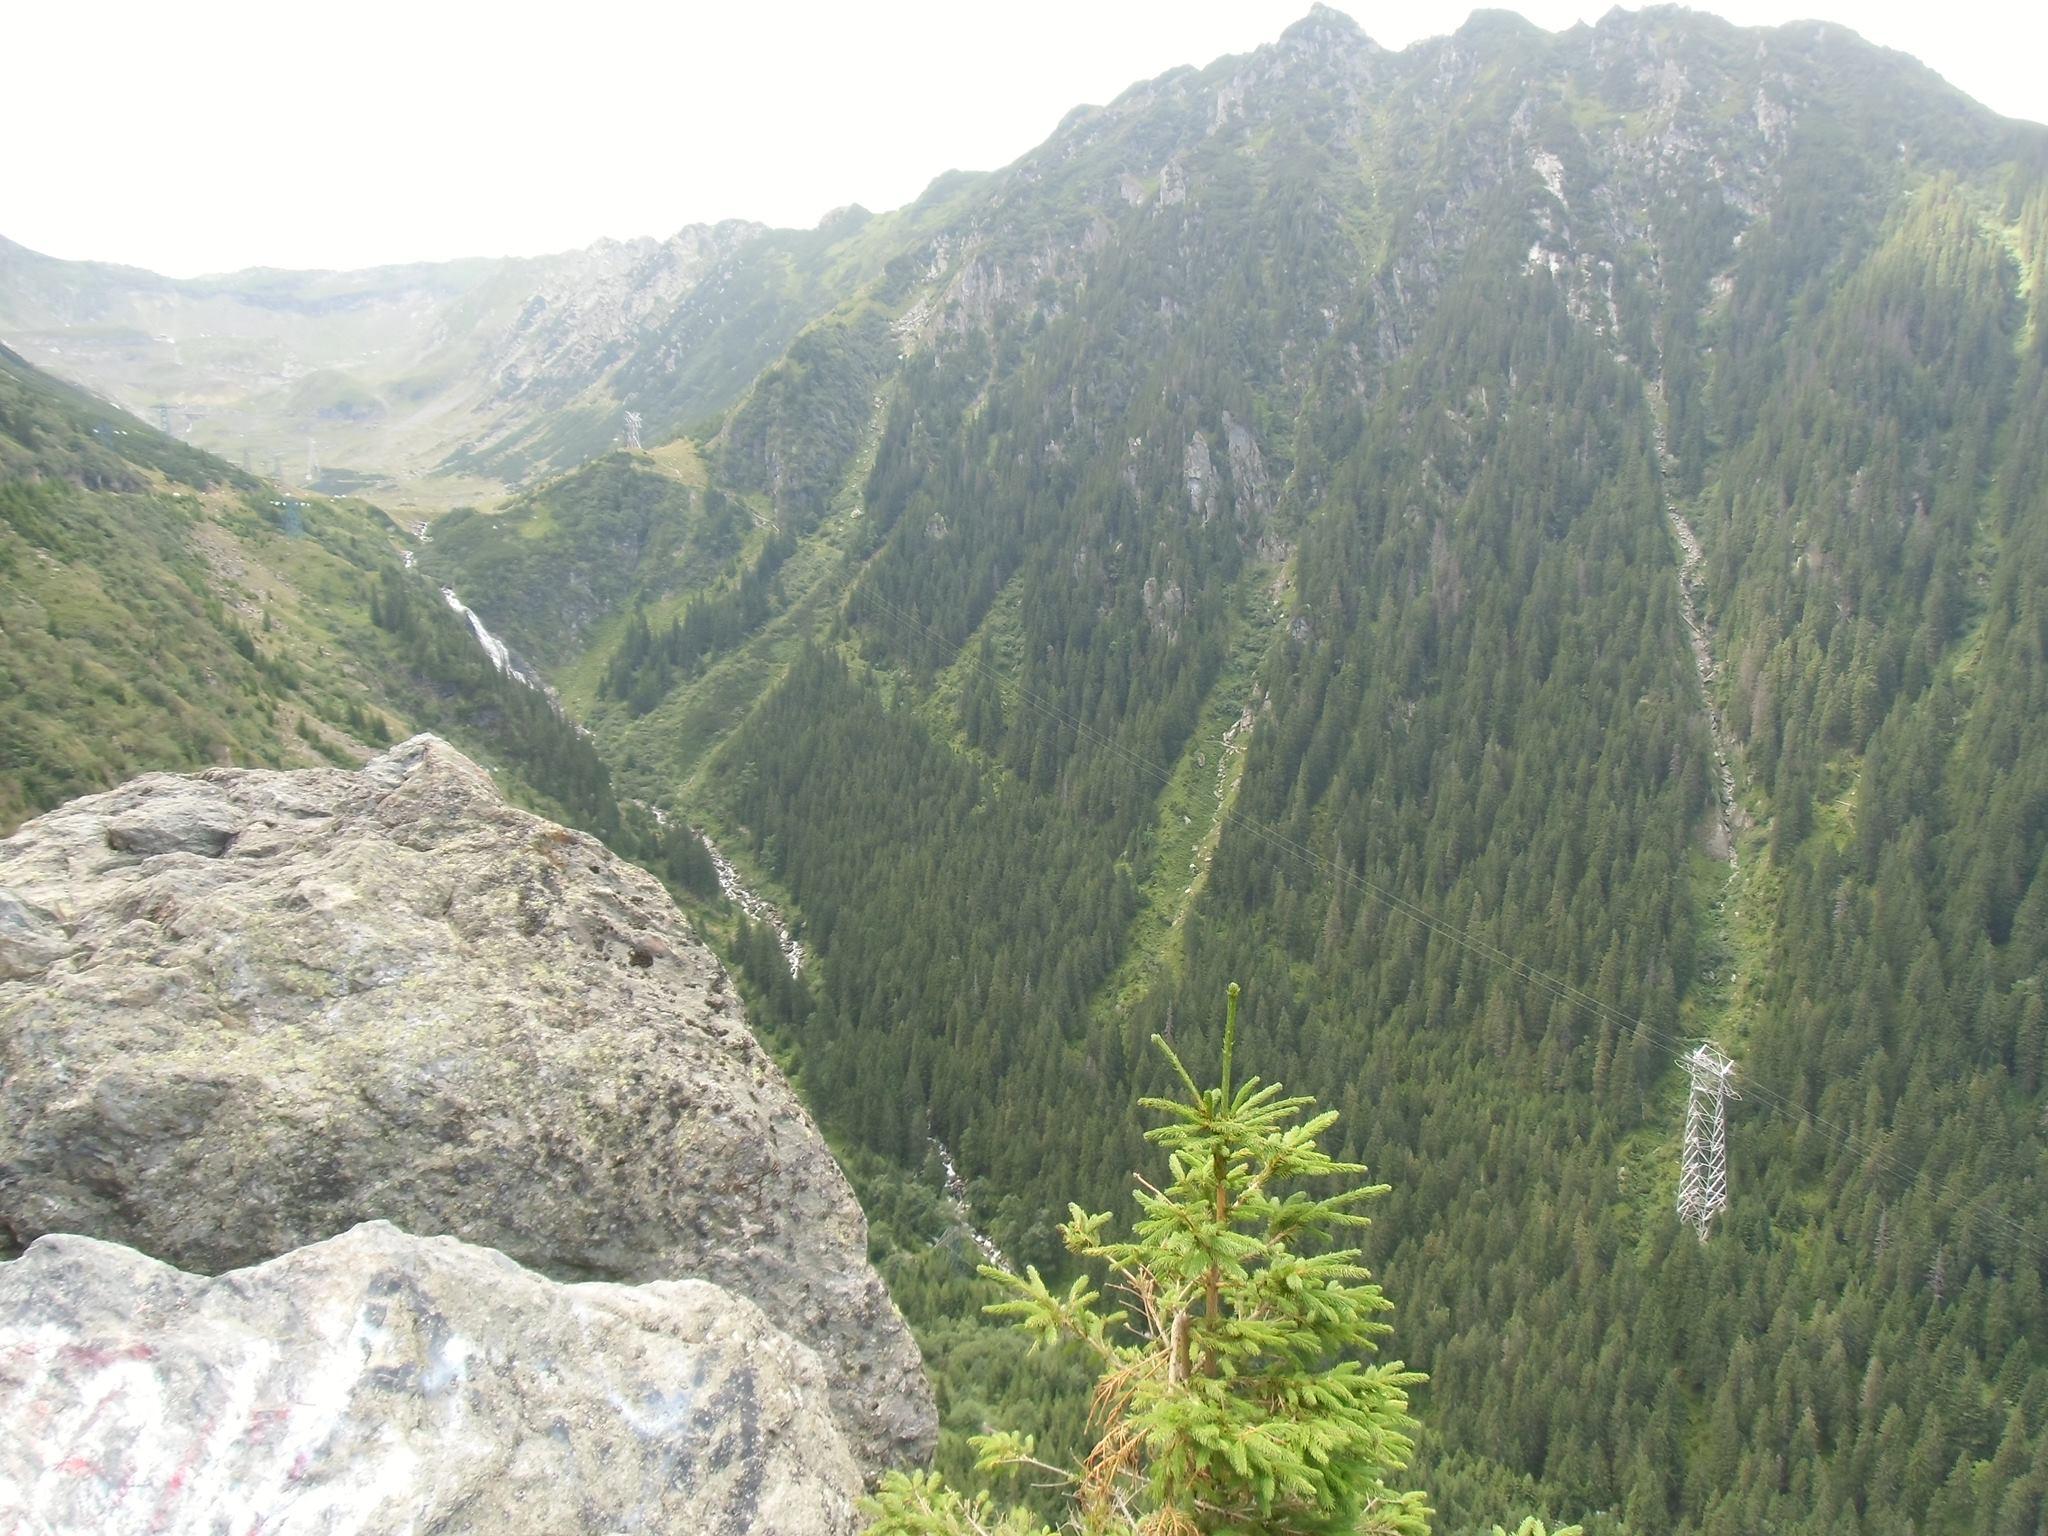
(632,431)
(1703,1166)
(163,417)
(312,463)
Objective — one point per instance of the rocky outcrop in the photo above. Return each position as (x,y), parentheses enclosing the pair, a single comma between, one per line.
(243,1011)
(378,1382)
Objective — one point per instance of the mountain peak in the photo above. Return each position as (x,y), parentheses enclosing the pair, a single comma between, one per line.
(1496,21)
(1328,28)
(845,219)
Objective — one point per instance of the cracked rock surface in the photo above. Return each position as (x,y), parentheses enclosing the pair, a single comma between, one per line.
(378,1382)
(243,1011)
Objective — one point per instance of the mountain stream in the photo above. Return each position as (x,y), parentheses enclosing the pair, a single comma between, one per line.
(758,908)
(956,1191)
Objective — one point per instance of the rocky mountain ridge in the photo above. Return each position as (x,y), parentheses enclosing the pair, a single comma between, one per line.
(380,375)
(433,383)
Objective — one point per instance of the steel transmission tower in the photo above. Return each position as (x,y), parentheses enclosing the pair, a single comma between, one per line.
(1703,1167)
(632,431)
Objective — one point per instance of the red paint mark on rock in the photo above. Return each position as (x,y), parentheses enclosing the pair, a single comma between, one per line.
(264,1425)
(95,1357)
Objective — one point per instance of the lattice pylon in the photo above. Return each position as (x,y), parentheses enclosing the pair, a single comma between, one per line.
(633,431)
(1703,1165)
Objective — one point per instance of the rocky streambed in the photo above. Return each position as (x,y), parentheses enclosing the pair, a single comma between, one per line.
(757,907)
(956,1191)
(735,890)
(1692,599)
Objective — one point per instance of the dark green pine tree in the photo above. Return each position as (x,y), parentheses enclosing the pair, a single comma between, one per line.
(1233,1397)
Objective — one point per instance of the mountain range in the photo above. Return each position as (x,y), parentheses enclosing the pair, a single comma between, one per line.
(431,384)
(1527,552)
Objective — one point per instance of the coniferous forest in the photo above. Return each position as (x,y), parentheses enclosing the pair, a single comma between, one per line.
(1526,554)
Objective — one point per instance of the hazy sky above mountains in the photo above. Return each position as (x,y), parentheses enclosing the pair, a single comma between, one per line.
(205,136)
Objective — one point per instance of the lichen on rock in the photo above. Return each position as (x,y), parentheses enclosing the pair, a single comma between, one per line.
(244,1010)
(379,1382)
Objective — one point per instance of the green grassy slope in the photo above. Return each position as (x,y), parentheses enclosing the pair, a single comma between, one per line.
(161,610)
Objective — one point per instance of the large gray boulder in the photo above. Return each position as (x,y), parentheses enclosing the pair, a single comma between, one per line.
(243,1011)
(379,1383)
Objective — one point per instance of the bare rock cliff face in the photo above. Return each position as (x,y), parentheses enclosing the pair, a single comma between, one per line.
(379,1383)
(243,1011)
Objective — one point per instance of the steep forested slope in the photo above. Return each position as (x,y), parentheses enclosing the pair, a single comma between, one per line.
(1243,540)
(161,610)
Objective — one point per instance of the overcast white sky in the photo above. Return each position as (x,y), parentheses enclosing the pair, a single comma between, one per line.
(202,136)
